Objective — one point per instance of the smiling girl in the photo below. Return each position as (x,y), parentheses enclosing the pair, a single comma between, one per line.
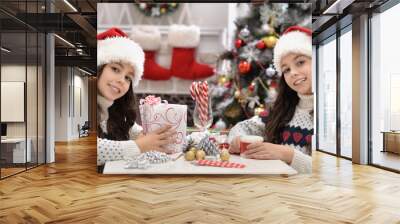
(288,129)
(120,68)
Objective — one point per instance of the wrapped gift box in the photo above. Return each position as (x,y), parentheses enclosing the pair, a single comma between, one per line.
(156,113)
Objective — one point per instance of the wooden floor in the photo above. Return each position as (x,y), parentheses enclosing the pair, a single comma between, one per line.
(71,191)
(387,159)
(10,171)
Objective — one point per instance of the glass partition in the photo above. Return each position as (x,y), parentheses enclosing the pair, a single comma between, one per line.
(346,93)
(13,103)
(22,64)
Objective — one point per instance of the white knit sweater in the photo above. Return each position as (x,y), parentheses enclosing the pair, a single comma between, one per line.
(302,120)
(110,150)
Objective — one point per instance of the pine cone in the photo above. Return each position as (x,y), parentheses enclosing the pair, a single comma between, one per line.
(208,147)
(188,144)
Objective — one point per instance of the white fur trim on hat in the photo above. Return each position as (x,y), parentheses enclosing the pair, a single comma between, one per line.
(121,49)
(184,36)
(292,42)
(148,37)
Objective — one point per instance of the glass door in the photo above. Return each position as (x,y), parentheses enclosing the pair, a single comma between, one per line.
(385,90)
(326,135)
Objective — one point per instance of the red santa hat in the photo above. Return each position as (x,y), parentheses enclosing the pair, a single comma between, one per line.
(114,45)
(295,39)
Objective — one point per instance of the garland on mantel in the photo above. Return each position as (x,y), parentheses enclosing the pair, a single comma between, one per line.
(157,9)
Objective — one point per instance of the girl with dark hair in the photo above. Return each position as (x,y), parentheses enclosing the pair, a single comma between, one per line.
(120,68)
(288,129)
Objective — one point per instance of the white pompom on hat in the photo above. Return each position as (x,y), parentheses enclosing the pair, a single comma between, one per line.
(114,45)
(295,39)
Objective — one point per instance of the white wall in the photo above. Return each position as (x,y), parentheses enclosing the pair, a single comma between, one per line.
(67,117)
(17,73)
(61,103)
(79,117)
(212,18)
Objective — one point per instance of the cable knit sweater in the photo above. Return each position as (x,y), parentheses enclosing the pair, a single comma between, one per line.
(109,150)
(297,133)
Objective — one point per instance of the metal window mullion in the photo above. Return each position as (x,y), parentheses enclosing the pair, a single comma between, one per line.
(369,95)
(338,94)
(317,96)
(26,88)
(37,91)
(0,94)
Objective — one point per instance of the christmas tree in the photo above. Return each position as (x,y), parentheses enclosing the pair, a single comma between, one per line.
(246,80)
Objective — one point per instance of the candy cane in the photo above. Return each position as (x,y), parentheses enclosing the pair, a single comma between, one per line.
(220,164)
(199,92)
(192,90)
(203,98)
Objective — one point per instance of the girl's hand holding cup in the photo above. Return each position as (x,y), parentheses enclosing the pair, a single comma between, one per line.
(234,146)
(239,144)
(246,140)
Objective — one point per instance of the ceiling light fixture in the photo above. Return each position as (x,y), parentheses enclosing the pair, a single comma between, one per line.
(5,50)
(337,7)
(84,71)
(70,5)
(65,41)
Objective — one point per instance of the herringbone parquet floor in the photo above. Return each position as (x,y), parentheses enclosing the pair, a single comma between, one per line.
(71,191)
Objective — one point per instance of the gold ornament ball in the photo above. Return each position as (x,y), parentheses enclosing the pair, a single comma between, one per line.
(163,10)
(258,110)
(193,149)
(224,155)
(270,41)
(222,80)
(189,156)
(200,154)
(237,94)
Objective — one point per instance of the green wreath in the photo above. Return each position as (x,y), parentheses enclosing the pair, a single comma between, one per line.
(157,9)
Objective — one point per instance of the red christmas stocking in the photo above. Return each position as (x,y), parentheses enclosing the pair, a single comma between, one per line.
(184,40)
(149,38)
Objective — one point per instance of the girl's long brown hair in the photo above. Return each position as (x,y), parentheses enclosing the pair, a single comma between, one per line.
(281,113)
(122,115)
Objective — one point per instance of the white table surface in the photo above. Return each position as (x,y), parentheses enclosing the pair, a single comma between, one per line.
(181,166)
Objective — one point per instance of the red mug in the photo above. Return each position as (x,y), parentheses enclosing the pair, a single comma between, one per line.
(247,140)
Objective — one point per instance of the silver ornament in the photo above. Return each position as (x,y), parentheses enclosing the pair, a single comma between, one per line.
(220,125)
(244,33)
(250,53)
(155,11)
(266,28)
(270,71)
(142,5)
